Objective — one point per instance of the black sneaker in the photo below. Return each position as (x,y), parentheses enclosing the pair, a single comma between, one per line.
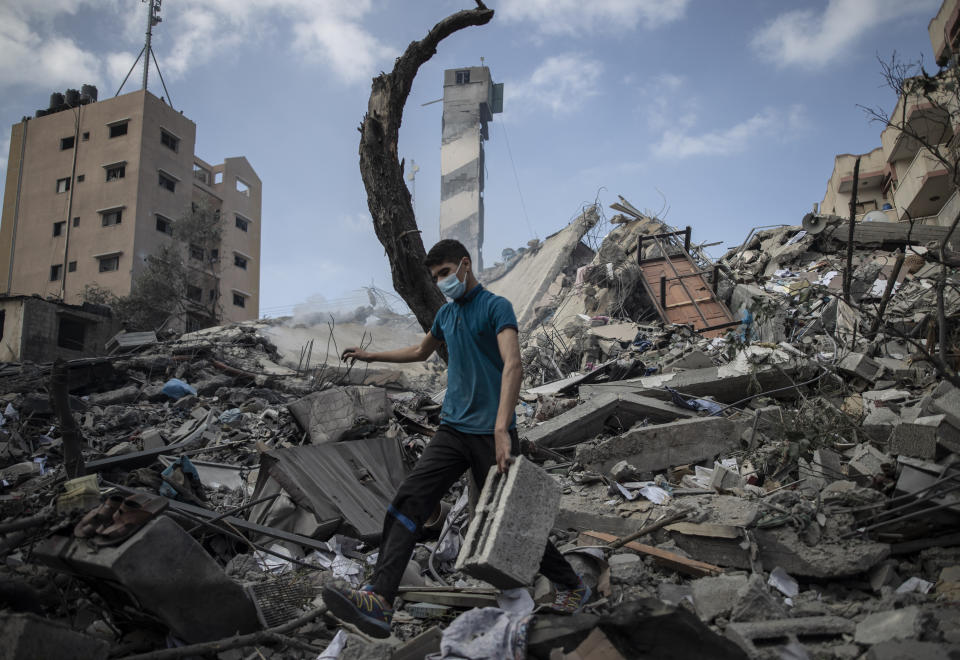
(364,608)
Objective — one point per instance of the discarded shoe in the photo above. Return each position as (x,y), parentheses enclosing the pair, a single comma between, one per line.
(97,517)
(367,610)
(134,512)
(570,601)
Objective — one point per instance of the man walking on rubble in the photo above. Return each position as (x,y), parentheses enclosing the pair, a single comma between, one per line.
(478,430)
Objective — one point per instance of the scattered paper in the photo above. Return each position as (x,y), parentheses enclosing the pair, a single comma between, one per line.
(783,582)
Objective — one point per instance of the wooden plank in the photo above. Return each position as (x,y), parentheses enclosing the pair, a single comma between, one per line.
(450,598)
(663,557)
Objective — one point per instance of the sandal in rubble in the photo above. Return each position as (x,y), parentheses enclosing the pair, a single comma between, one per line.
(98,517)
(135,511)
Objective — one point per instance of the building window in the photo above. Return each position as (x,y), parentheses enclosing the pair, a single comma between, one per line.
(214,254)
(66,143)
(242,224)
(193,323)
(80,178)
(239,300)
(243,188)
(116,130)
(110,218)
(164,225)
(58,227)
(213,295)
(109,264)
(194,293)
(196,252)
(169,140)
(463,77)
(72,267)
(56,271)
(115,172)
(71,333)
(240,262)
(167,182)
(76,222)
(63,185)
(201,174)
(86,136)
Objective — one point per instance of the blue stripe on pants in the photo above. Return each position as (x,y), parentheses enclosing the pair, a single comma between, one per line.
(406,522)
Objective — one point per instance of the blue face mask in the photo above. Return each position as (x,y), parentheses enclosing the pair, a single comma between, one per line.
(451,286)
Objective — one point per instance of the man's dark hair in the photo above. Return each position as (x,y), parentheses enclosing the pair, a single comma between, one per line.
(446,251)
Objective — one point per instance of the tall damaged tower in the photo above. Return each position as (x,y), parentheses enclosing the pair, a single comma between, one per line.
(470,99)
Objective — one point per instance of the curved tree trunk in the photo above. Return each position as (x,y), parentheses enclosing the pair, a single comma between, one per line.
(387,196)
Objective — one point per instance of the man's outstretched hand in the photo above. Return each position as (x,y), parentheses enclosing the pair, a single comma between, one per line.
(354,353)
(503,441)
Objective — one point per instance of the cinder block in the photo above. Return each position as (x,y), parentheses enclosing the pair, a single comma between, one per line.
(861,366)
(766,633)
(926,437)
(511,525)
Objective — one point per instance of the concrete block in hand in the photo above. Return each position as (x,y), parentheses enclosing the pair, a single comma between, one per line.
(510,526)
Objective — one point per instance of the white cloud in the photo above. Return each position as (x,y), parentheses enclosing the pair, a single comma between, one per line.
(591,16)
(811,39)
(561,83)
(770,123)
(193,32)
(27,57)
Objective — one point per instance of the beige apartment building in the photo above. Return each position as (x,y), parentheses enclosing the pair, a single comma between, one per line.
(901,177)
(92,190)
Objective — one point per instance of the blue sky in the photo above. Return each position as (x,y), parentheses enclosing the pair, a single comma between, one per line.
(732,110)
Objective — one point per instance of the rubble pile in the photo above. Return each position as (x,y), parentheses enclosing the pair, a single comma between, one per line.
(782,484)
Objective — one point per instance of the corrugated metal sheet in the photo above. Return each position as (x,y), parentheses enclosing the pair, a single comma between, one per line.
(355,480)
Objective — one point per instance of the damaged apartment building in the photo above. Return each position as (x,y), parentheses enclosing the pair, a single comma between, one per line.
(94,187)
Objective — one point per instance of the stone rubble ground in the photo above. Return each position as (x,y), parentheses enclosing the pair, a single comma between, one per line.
(809,464)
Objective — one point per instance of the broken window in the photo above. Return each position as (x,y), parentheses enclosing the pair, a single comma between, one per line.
(58,227)
(108,264)
(63,185)
(72,267)
(56,271)
(242,187)
(214,254)
(167,182)
(115,172)
(66,143)
(112,217)
(240,262)
(118,129)
(463,77)
(86,136)
(239,300)
(217,178)
(76,222)
(169,140)
(201,174)
(242,224)
(164,225)
(196,252)
(71,333)
(80,178)
(194,293)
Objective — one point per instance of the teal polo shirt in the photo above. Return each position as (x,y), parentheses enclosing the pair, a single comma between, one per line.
(469,327)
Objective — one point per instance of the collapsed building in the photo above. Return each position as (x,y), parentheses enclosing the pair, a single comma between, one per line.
(745,463)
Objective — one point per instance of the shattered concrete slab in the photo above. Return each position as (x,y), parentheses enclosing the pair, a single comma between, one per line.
(658,447)
(592,416)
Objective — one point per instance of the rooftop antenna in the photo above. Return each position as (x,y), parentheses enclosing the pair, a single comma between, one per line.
(153,18)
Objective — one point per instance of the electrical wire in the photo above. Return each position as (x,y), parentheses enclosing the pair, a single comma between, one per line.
(516,178)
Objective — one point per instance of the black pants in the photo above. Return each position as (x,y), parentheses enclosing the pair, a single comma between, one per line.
(446,457)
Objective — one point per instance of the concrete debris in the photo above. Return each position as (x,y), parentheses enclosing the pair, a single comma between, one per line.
(800,465)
